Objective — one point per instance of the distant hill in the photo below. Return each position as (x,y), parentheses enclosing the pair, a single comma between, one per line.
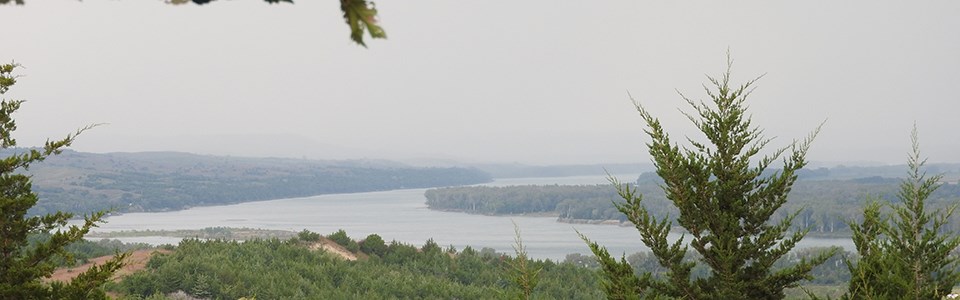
(157,181)
(950,172)
(526,171)
(863,174)
(833,171)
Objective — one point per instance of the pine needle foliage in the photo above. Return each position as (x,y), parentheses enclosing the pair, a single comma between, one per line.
(725,205)
(23,266)
(520,269)
(905,253)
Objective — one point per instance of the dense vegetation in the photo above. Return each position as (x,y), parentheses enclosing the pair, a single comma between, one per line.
(132,182)
(588,202)
(832,272)
(825,205)
(906,253)
(289,269)
(229,270)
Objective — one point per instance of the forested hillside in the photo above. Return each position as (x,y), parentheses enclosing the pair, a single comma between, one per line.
(295,268)
(290,269)
(825,204)
(131,182)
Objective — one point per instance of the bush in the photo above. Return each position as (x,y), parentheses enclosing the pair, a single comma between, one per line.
(373,245)
(340,237)
(308,236)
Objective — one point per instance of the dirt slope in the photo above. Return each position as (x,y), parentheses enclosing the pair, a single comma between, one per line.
(334,248)
(135,262)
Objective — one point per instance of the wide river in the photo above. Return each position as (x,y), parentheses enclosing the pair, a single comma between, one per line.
(402,215)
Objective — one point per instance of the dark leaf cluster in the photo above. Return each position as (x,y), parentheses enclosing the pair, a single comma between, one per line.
(360,16)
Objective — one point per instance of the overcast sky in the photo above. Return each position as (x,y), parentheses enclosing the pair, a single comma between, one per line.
(538,82)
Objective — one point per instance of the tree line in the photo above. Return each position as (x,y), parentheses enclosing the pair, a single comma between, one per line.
(825,206)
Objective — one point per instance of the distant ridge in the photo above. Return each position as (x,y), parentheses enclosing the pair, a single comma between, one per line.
(526,171)
(81,182)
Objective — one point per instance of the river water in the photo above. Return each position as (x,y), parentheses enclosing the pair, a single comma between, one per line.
(402,215)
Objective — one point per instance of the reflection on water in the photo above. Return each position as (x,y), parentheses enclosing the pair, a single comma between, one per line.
(402,215)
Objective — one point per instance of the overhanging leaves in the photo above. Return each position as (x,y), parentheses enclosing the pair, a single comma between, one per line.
(361,16)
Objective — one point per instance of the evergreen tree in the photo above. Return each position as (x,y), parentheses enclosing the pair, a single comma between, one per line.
(724,203)
(520,269)
(374,245)
(23,265)
(906,254)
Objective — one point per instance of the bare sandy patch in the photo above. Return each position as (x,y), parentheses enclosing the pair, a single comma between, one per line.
(135,262)
(330,246)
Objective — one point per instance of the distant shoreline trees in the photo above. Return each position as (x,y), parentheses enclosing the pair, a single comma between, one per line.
(825,204)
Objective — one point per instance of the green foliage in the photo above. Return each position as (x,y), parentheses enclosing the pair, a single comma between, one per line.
(619,280)
(519,269)
(81,251)
(276,269)
(340,237)
(308,236)
(825,201)
(373,245)
(568,201)
(430,247)
(724,203)
(22,265)
(399,253)
(905,253)
(360,16)
(831,272)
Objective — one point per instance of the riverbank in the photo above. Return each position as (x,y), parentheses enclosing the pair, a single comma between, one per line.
(209,233)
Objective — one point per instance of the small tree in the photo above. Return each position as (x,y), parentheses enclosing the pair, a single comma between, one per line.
(906,254)
(308,236)
(374,245)
(22,266)
(725,206)
(341,238)
(519,269)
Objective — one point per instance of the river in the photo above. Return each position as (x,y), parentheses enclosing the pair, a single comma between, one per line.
(402,215)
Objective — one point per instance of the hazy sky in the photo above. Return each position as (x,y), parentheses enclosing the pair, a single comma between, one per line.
(536,82)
